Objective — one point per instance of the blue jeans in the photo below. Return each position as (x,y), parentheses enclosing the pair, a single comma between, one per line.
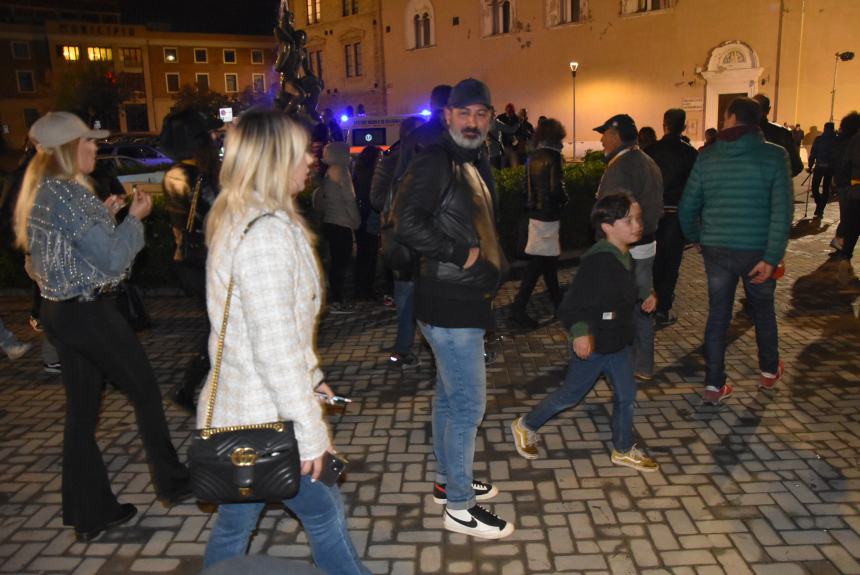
(458,408)
(7,338)
(643,341)
(404,301)
(320,510)
(581,377)
(723,267)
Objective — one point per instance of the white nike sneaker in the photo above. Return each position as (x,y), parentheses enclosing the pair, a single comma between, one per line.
(477,522)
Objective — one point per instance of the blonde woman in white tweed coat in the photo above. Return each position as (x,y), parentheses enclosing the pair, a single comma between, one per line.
(270,369)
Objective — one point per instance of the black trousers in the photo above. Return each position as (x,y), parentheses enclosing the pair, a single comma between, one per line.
(821,176)
(366,253)
(850,224)
(94,341)
(339,239)
(546,266)
(667,262)
(193,282)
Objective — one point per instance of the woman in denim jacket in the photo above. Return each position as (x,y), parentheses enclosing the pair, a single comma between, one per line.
(78,255)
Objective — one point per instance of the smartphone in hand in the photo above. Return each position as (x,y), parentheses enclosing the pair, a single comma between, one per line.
(333,468)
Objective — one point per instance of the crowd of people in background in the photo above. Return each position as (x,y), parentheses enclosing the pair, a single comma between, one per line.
(428,206)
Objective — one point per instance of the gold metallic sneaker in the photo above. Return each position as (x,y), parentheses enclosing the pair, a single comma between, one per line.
(525,440)
(636,459)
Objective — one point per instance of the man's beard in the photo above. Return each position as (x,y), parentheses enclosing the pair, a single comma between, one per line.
(468,143)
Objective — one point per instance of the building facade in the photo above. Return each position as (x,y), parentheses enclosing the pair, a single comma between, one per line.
(635,56)
(151,66)
(345,48)
(384,56)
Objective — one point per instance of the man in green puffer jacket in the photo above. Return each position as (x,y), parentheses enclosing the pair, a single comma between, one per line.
(738,206)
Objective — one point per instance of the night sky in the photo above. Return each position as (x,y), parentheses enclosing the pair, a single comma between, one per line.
(217,16)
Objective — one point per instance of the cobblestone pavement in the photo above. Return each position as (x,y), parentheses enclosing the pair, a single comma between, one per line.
(766,483)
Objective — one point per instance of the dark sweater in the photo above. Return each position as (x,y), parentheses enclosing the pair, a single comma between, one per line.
(602,298)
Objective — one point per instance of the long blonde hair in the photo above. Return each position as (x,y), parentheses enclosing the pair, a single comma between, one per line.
(261,153)
(61,163)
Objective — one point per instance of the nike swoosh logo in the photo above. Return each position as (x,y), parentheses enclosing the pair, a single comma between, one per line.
(470,524)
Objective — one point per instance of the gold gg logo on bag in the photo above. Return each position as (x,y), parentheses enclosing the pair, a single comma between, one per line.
(244,456)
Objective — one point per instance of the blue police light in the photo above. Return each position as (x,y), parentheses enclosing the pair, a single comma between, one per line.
(425,112)
(344,118)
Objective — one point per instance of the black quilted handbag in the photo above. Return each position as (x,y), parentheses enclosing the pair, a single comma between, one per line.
(242,463)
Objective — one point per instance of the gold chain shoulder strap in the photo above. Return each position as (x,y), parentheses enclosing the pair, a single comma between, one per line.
(219,352)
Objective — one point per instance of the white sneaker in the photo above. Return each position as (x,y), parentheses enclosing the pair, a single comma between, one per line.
(16,350)
(477,522)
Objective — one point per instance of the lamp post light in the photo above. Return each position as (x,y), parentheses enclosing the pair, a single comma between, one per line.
(573,67)
(845,57)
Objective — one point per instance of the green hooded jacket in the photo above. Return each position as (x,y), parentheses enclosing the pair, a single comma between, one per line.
(739,196)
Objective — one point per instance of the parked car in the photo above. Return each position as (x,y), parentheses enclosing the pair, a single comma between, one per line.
(146,154)
(131,172)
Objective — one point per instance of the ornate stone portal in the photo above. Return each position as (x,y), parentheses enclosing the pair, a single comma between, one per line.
(733,70)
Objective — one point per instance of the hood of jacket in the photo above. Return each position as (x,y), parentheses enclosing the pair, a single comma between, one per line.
(336,154)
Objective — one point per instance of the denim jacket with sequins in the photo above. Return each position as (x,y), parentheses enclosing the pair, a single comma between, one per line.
(76,248)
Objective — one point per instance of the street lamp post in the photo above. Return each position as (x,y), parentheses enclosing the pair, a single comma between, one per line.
(845,57)
(573,67)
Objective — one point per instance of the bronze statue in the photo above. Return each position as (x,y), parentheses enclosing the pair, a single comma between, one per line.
(300,88)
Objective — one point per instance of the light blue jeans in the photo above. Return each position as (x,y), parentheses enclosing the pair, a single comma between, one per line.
(7,338)
(458,408)
(319,508)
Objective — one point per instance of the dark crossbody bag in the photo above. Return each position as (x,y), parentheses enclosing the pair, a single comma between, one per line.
(242,463)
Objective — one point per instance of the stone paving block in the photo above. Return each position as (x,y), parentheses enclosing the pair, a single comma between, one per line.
(741,489)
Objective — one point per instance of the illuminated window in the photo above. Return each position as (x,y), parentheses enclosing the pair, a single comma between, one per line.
(131,56)
(231,83)
(26,82)
(202,80)
(259,82)
(256,56)
(229,56)
(172,81)
(20,50)
(70,53)
(313,11)
(171,55)
(201,55)
(99,54)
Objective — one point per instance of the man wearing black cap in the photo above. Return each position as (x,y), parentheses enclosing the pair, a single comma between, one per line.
(629,169)
(778,135)
(445,213)
(675,158)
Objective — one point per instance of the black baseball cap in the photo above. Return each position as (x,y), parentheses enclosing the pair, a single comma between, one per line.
(623,123)
(469,91)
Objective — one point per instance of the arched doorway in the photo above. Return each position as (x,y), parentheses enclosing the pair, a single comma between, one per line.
(732,71)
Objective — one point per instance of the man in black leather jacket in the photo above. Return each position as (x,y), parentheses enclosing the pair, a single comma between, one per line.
(545,200)
(675,158)
(778,135)
(444,212)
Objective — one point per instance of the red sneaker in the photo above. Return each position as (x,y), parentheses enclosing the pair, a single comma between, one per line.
(768,380)
(714,395)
